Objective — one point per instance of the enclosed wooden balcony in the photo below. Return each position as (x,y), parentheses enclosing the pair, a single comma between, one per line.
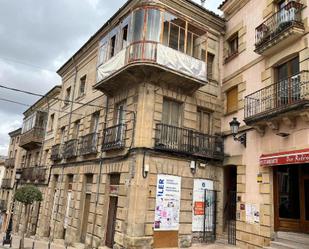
(3,205)
(282,98)
(33,174)
(281,29)
(186,141)
(160,47)
(6,183)
(9,163)
(70,149)
(89,144)
(56,152)
(114,137)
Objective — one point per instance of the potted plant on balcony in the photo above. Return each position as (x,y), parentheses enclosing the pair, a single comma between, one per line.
(27,195)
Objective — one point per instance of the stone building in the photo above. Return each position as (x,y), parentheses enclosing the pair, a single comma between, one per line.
(140,116)
(35,140)
(265,86)
(8,180)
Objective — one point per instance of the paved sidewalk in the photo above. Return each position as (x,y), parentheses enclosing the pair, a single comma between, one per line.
(43,244)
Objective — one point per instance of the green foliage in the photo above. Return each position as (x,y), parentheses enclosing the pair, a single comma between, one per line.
(28,194)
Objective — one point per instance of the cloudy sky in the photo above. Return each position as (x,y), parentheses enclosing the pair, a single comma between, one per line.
(36,38)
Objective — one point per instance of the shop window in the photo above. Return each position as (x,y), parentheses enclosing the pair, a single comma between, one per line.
(232,100)
(171,114)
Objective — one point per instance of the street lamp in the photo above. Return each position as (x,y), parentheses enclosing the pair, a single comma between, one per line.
(234,124)
(7,240)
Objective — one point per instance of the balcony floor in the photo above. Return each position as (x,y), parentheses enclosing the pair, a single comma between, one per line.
(139,72)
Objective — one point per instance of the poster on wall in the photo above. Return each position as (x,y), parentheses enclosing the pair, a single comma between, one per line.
(66,218)
(199,187)
(167,203)
(252,214)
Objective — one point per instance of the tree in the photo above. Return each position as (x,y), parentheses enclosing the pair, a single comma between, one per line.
(27,195)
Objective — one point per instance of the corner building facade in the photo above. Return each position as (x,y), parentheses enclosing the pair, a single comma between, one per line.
(139,110)
(265,86)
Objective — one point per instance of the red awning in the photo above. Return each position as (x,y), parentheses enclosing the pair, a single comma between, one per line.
(284,158)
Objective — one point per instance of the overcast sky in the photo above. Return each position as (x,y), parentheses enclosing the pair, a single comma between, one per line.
(36,38)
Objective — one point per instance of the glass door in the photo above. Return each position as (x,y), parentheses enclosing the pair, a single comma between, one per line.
(305,199)
(287,198)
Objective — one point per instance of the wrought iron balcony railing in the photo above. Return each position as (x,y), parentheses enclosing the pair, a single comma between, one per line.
(6,183)
(3,205)
(176,139)
(9,163)
(70,149)
(33,174)
(282,96)
(287,17)
(89,144)
(114,137)
(56,152)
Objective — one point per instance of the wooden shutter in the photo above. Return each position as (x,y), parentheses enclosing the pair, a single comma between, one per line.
(171,113)
(232,100)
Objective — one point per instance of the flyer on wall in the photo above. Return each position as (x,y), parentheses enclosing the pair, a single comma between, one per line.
(167,203)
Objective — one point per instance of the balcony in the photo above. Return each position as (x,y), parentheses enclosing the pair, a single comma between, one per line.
(6,183)
(70,149)
(89,144)
(280,30)
(186,141)
(32,139)
(56,152)
(3,205)
(291,94)
(33,174)
(158,44)
(9,163)
(114,137)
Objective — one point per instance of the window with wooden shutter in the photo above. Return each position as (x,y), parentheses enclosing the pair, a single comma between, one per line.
(171,114)
(232,100)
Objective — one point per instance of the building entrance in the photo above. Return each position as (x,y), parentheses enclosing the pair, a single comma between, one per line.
(291,198)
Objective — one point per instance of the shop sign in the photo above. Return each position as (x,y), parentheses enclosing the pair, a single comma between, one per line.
(167,203)
(259,178)
(285,158)
(198,213)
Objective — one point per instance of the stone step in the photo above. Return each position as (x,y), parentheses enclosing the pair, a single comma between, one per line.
(295,237)
(287,245)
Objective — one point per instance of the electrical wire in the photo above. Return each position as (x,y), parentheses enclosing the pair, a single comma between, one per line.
(58,99)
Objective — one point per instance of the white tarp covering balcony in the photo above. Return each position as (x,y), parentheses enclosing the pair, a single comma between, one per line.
(111,66)
(181,62)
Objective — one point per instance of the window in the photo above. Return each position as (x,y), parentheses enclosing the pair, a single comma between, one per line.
(171,114)
(120,113)
(233,45)
(125,37)
(12,141)
(210,65)
(62,135)
(112,46)
(76,129)
(37,158)
(82,86)
(51,122)
(153,30)
(288,78)
(94,125)
(46,157)
(232,100)
(138,24)
(204,122)
(67,96)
